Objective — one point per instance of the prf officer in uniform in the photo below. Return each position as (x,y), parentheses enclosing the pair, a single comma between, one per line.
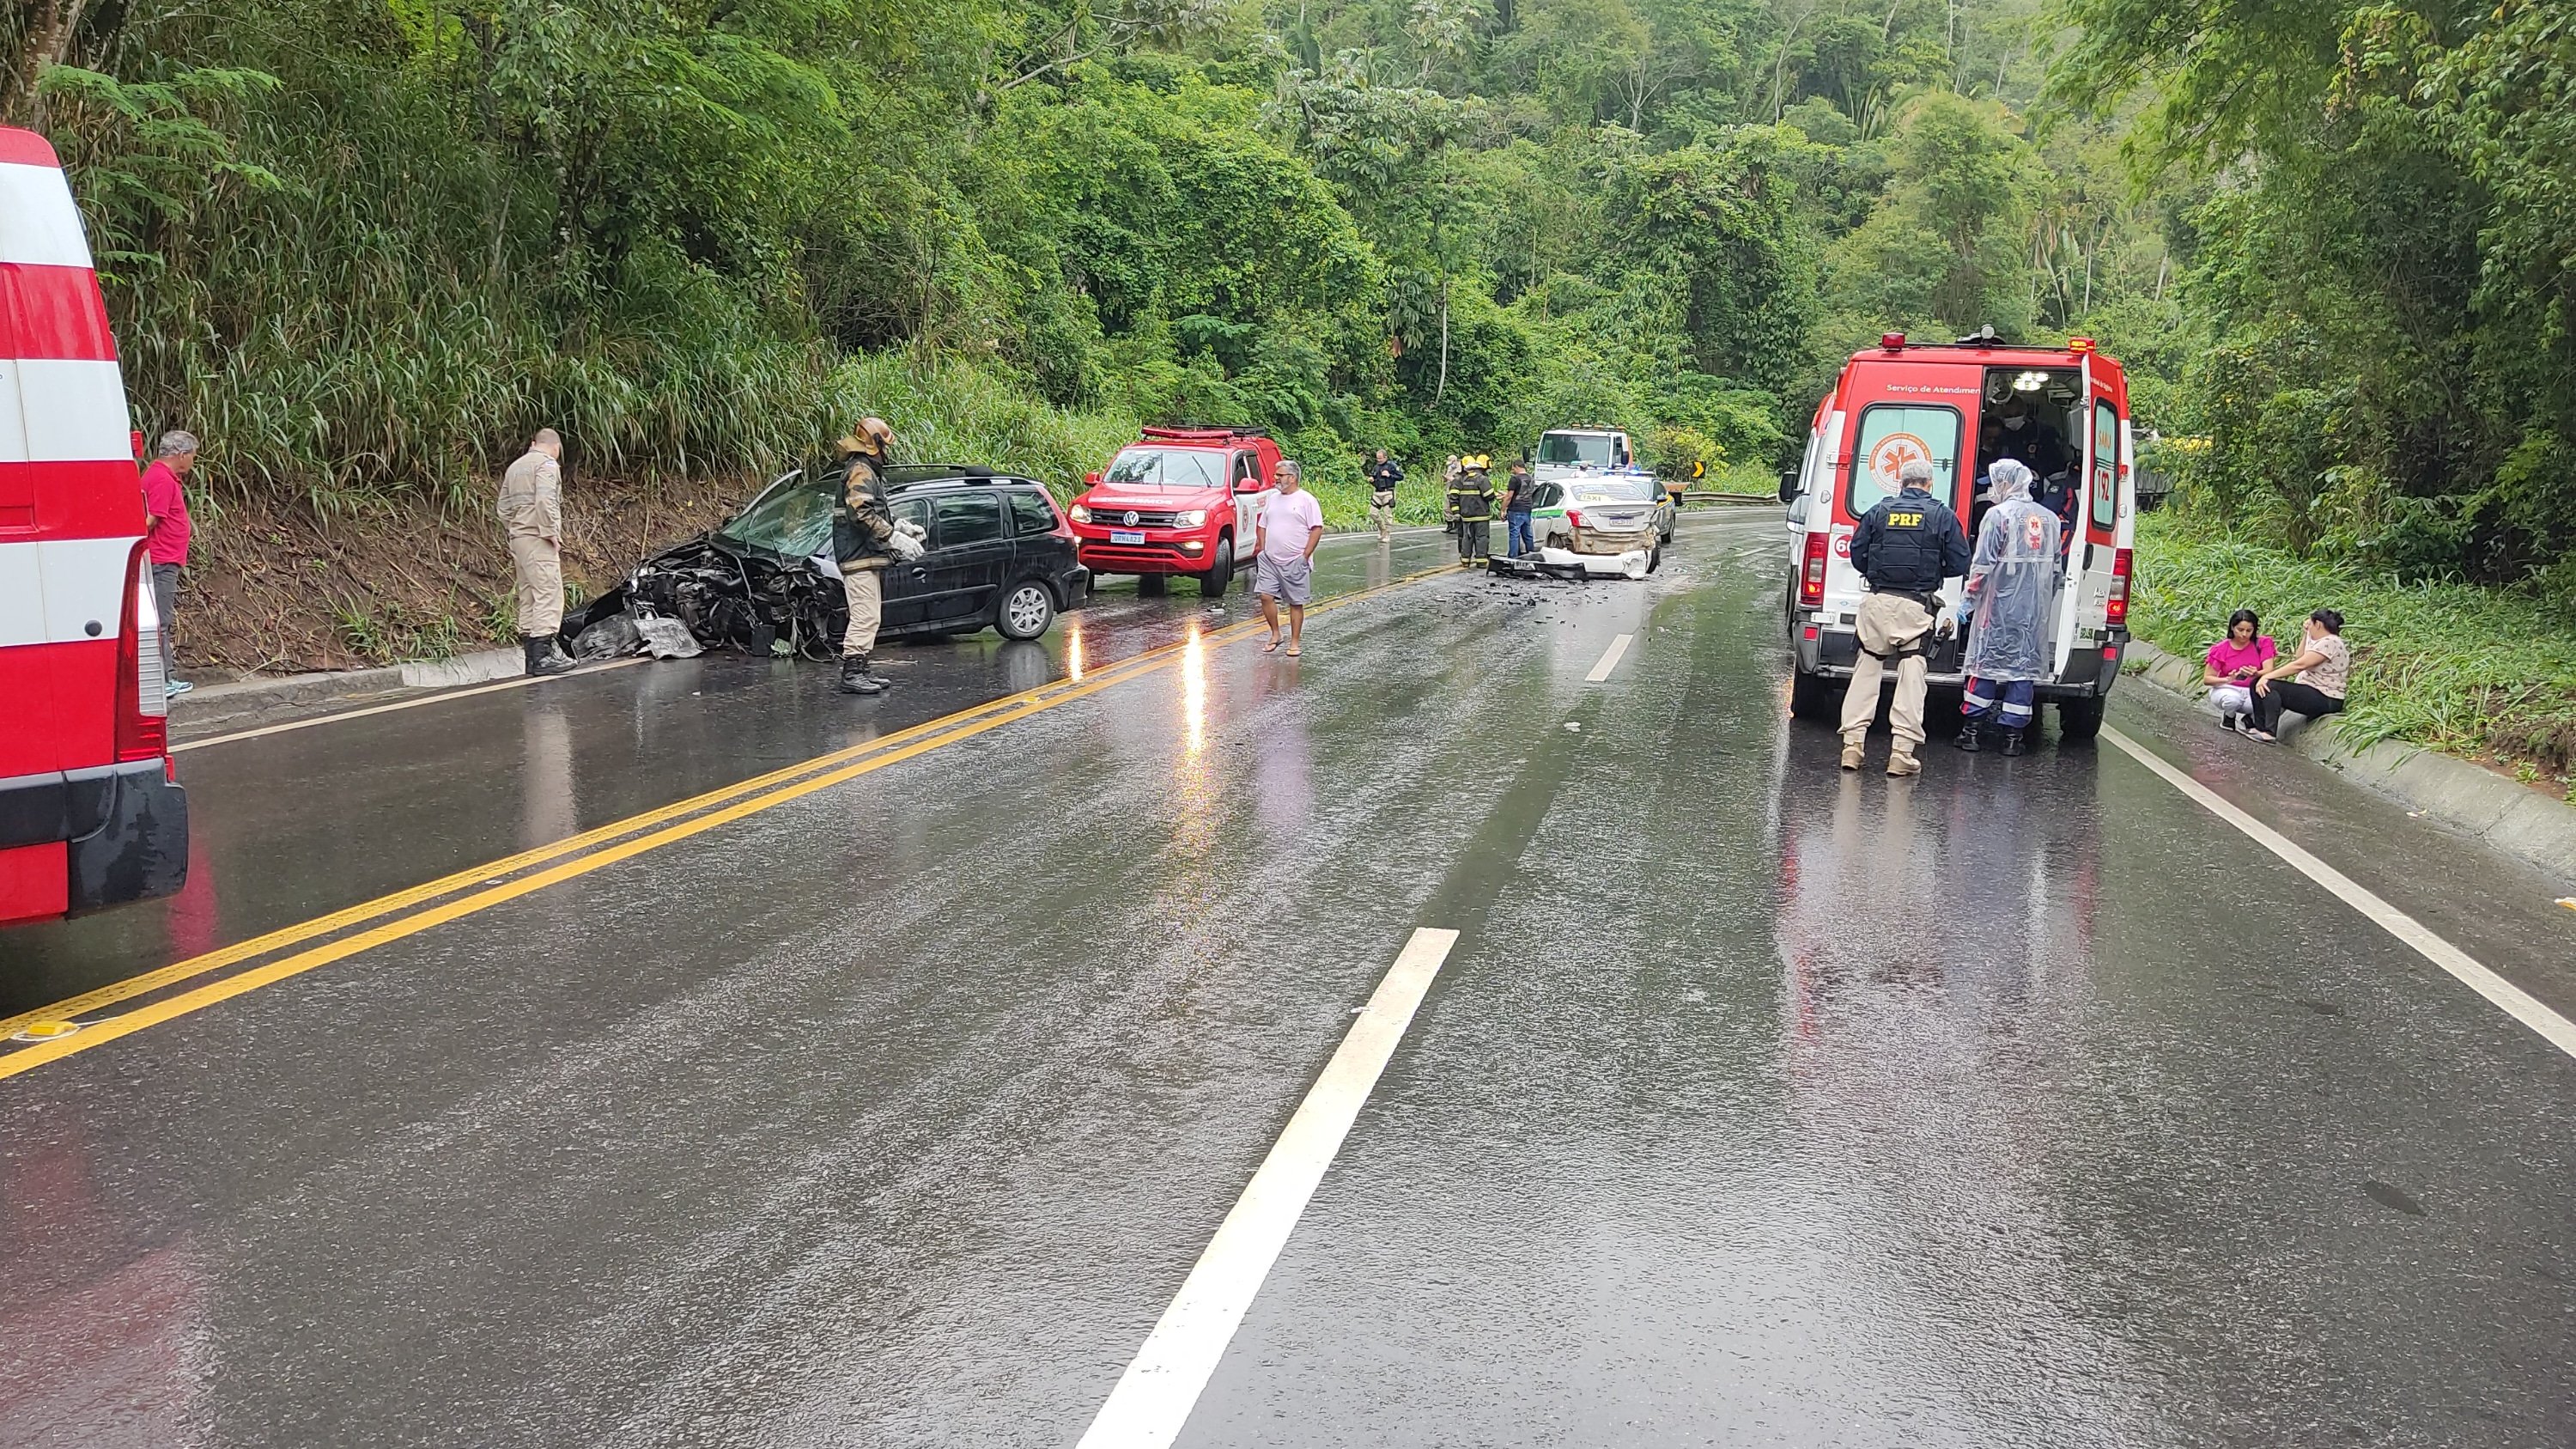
(864,538)
(1905,547)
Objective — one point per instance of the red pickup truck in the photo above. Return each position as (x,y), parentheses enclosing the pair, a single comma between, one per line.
(1177,501)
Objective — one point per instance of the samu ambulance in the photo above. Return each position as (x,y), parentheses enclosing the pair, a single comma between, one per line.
(2062,410)
(90,813)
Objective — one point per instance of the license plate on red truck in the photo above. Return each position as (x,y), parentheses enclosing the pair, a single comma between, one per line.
(1120,535)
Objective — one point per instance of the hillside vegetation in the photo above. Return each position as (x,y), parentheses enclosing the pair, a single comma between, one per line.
(364,246)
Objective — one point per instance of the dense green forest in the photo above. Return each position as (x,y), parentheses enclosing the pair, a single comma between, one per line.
(364,245)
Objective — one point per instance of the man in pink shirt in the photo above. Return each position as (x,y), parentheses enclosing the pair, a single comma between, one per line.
(165,522)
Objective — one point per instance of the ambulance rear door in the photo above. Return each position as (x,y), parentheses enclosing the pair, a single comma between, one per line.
(1900,409)
(2095,558)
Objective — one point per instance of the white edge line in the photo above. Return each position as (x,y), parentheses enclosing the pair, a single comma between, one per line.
(1609,661)
(2515,1002)
(436,697)
(1160,1388)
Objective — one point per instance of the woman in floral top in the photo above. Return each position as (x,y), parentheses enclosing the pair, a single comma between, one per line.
(2311,684)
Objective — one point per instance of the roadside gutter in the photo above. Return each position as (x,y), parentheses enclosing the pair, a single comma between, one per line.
(209,707)
(2518,821)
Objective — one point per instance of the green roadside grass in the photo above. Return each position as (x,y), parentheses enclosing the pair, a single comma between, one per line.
(2484,674)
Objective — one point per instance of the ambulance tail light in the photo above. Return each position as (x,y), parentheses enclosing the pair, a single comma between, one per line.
(2115,609)
(142,697)
(1811,573)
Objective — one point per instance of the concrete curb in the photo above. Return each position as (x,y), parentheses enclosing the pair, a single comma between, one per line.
(2520,822)
(212,704)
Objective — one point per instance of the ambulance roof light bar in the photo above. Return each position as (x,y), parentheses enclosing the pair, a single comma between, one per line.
(1892,341)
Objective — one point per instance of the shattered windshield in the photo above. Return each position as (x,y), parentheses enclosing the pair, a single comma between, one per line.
(792,517)
(1593,449)
(1167,468)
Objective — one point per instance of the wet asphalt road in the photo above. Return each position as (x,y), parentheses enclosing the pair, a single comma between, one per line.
(2021,1104)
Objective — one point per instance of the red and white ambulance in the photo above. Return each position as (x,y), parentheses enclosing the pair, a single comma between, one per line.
(2064,411)
(90,811)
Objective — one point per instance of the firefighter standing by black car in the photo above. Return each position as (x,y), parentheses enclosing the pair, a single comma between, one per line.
(864,539)
(1906,547)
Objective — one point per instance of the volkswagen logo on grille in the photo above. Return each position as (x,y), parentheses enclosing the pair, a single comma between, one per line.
(1129,519)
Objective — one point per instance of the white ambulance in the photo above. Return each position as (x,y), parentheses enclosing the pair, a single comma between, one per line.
(2064,411)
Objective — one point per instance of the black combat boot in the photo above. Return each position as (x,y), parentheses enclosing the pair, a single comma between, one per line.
(855,678)
(542,656)
(1971,737)
(2013,742)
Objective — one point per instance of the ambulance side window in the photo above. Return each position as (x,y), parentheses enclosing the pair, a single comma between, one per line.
(1894,434)
(2106,465)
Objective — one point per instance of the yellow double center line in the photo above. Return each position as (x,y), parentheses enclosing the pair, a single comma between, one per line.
(466,892)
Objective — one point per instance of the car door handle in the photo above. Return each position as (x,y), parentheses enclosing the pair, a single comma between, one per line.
(919,572)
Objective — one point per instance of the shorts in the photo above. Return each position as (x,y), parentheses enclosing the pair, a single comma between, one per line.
(1290,581)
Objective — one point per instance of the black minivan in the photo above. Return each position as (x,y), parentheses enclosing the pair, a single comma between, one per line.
(999,555)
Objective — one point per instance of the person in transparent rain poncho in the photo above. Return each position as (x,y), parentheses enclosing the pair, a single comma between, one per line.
(2012,581)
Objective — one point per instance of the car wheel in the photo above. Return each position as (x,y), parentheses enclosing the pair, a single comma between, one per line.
(1212,584)
(2080,719)
(1814,697)
(1026,611)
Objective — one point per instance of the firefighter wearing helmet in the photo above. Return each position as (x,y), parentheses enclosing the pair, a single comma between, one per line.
(1471,502)
(864,538)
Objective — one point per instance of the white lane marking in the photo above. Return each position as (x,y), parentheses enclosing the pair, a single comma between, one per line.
(1154,1397)
(441,697)
(2517,1003)
(1609,661)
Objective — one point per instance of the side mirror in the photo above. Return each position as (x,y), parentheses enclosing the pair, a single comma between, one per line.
(1788,484)
(1091,480)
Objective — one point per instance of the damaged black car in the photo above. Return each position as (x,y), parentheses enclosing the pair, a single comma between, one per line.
(999,554)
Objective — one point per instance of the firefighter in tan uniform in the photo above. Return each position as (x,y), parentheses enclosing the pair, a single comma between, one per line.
(531,508)
(865,538)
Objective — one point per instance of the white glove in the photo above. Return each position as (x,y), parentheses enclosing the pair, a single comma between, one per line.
(906,542)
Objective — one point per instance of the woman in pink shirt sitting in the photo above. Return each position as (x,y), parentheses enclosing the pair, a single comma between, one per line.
(2232,666)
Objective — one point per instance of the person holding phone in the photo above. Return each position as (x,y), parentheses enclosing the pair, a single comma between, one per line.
(2312,684)
(2232,665)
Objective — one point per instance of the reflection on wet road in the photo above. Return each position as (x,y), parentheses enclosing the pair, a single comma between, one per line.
(2025,1103)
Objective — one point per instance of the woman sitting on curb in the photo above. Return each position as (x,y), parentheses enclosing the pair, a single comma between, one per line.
(2318,687)
(2233,663)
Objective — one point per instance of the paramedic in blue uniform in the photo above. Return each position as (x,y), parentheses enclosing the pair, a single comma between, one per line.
(1904,547)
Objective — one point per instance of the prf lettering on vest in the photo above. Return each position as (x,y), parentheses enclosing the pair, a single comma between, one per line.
(1905,520)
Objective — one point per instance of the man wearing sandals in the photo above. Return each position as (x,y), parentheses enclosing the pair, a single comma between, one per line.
(1283,554)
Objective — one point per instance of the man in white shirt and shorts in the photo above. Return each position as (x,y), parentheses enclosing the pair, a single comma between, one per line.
(1283,557)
